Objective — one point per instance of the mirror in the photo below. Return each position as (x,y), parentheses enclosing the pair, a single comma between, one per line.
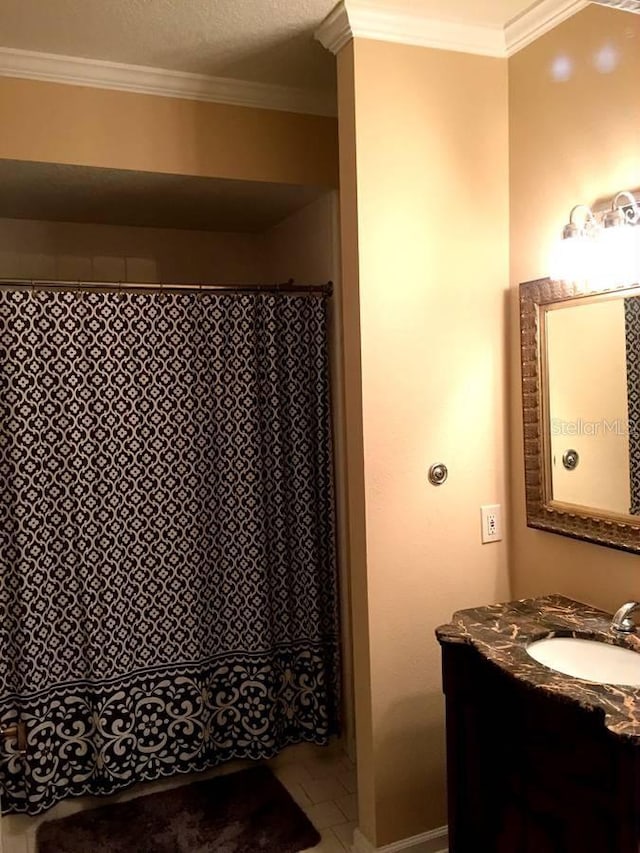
(581,399)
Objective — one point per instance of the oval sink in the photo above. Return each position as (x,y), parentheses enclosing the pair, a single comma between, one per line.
(588,659)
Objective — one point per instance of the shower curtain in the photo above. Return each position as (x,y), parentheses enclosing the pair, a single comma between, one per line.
(632,334)
(168,593)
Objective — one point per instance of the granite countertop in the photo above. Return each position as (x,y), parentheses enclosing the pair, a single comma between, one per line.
(501,633)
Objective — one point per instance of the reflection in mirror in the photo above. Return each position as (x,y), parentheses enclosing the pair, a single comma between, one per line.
(593,402)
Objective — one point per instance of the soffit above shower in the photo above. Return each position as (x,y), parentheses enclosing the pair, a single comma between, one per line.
(248,52)
(64,193)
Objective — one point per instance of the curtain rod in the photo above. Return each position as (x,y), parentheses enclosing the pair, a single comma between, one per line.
(121,286)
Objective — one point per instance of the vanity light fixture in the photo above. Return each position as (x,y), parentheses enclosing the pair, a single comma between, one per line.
(624,5)
(601,247)
(573,256)
(619,242)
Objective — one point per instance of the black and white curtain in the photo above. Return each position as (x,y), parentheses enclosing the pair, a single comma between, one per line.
(168,589)
(632,333)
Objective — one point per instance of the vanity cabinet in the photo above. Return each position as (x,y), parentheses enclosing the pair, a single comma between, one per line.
(530,771)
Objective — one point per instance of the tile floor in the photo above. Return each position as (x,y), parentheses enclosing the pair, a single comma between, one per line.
(321,780)
(325,788)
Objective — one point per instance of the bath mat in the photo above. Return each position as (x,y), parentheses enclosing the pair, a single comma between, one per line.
(247,812)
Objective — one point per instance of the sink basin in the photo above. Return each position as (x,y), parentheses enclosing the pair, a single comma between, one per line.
(588,659)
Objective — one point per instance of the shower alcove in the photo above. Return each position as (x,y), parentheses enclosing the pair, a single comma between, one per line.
(81,223)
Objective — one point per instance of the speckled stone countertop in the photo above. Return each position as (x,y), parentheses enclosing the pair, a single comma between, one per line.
(502,632)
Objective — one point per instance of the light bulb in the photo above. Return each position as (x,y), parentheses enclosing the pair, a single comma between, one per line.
(617,256)
(636,242)
(600,251)
(573,258)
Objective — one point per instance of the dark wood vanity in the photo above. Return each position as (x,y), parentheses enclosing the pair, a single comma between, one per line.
(538,762)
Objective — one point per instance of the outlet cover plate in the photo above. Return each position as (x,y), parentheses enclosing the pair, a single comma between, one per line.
(491,517)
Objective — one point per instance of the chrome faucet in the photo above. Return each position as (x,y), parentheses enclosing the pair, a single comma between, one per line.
(622,623)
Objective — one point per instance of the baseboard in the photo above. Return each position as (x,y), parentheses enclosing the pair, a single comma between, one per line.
(428,842)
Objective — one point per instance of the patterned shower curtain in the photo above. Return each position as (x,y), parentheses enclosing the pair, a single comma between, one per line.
(632,333)
(168,582)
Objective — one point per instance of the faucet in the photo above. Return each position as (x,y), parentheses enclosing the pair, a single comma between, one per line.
(622,623)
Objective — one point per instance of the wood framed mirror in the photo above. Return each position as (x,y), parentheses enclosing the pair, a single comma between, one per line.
(580,354)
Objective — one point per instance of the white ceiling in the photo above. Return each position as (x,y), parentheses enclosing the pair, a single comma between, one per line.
(269,41)
(115,197)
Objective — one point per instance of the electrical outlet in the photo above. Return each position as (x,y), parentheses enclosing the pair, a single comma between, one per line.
(491,523)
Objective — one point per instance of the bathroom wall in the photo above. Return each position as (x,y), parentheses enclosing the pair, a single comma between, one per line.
(305,246)
(424,208)
(574,137)
(58,123)
(69,250)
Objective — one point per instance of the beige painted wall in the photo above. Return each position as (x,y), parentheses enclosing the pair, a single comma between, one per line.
(354,469)
(57,123)
(425,231)
(305,246)
(70,250)
(588,405)
(573,141)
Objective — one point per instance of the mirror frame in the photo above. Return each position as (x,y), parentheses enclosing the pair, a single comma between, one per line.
(543,512)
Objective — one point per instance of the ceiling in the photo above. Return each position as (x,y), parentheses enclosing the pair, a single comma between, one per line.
(115,197)
(268,41)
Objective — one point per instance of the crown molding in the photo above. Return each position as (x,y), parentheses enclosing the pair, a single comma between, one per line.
(360,20)
(353,19)
(371,20)
(100,74)
(335,31)
(540,19)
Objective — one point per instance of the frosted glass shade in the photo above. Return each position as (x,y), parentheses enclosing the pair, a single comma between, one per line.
(611,258)
(573,259)
(618,256)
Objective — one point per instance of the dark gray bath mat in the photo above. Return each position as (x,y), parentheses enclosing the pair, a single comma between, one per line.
(248,812)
